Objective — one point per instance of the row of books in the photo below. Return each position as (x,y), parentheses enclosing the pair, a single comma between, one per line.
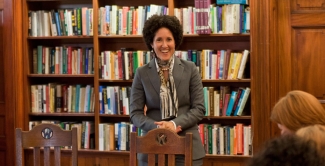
(122,64)
(115,136)
(56,98)
(126,20)
(223,64)
(222,101)
(61,22)
(114,100)
(223,19)
(85,131)
(204,18)
(212,64)
(226,140)
(211,18)
(63,60)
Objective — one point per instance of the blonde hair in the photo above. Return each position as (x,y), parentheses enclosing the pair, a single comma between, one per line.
(298,109)
(314,133)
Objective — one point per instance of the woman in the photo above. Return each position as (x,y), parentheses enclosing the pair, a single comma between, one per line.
(288,150)
(314,133)
(296,110)
(170,88)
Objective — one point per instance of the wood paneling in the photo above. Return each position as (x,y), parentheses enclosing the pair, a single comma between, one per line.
(308,60)
(300,46)
(2,158)
(262,85)
(1,4)
(2,96)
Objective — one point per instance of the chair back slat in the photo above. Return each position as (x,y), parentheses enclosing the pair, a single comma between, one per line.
(46,136)
(47,156)
(57,155)
(164,144)
(37,156)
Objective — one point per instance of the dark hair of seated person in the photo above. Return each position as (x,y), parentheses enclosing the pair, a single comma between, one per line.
(288,150)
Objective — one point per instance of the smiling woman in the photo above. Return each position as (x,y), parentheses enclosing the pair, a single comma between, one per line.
(170,88)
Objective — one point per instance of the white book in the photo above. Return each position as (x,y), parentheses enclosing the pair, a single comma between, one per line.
(246,140)
(140,13)
(221,140)
(126,66)
(243,64)
(214,141)
(46,23)
(101,136)
(214,66)
(34,23)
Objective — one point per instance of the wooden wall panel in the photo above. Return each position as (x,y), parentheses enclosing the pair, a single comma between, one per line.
(1,4)
(300,47)
(308,61)
(2,96)
(2,158)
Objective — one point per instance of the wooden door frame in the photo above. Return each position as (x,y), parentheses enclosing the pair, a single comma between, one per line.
(13,73)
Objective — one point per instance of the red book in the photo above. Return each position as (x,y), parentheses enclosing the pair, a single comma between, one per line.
(69,56)
(240,138)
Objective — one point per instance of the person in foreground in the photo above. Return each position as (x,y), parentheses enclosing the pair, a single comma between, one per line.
(288,150)
(314,133)
(296,110)
(169,87)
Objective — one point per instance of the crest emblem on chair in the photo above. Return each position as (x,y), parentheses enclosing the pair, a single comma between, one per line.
(161,138)
(47,133)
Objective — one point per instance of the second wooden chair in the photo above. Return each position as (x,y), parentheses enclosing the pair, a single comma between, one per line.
(161,142)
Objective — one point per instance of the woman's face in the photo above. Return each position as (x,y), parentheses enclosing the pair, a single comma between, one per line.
(284,130)
(163,44)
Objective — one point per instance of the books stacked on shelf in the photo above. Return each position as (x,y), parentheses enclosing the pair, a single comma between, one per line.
(61,22)
(225,102)
(85,131)
(126,20)
(226,140)
(213,65)
(56,98)
(217,64)
(115,136)
(207,18)
(63,60)
(114,100)
(122,64)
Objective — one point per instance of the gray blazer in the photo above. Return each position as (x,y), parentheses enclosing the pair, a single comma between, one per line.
(145,91)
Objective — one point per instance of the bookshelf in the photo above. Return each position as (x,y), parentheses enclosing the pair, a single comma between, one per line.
(101,43)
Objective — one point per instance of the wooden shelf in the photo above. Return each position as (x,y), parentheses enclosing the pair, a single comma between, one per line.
(63,114)
(61,75)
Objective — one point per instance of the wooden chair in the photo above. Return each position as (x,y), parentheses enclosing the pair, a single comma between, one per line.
(45,136)
(161,142)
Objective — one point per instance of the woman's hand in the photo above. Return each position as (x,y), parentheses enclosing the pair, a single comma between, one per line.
(168,125)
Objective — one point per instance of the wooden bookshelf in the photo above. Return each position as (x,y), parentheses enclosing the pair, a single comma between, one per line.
(100,43)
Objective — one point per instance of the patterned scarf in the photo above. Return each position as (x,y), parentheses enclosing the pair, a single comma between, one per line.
(168,94)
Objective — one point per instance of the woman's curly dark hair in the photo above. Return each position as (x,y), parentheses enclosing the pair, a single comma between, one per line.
(288,150)
(156,22)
